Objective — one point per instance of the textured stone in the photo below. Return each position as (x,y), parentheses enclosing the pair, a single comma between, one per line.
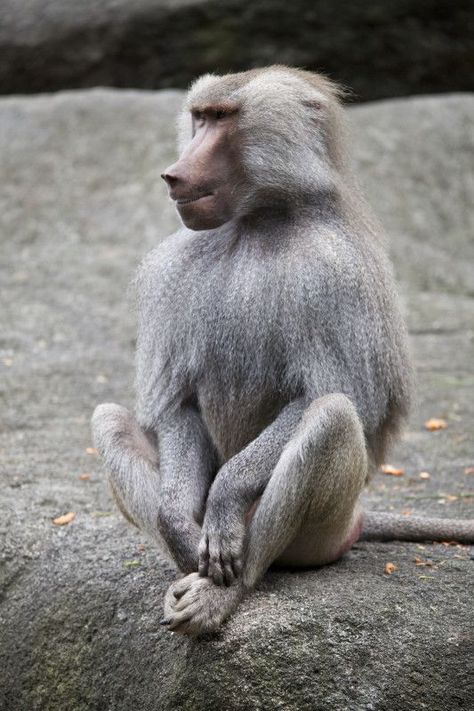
(81,202)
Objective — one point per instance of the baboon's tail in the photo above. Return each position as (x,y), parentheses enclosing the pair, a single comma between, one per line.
(395,527)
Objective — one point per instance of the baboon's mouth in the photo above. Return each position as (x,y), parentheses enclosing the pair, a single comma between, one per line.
(188,201)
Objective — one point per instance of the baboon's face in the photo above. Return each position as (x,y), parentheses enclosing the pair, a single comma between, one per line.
(203,182)
(265,138)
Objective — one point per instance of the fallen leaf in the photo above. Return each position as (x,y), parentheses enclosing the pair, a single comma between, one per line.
(424,475)
(469,470)
(91,450)
(435,423)
(393,471)
(406,512)
(65,519)
(389,568)
(451,497)
(426,577)
(84,477)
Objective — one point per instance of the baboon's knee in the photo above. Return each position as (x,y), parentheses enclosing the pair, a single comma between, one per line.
(110,418)
(344,421)
(115,431)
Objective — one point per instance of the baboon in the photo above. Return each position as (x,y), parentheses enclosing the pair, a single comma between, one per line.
(272,363)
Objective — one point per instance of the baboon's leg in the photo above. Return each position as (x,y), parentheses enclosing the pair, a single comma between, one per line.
(132,464)
(307,515)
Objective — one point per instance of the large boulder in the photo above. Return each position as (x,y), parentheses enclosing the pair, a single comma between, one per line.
(379,49)
(82,201)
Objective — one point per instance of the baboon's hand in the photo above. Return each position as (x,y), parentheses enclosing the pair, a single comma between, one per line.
(222,544)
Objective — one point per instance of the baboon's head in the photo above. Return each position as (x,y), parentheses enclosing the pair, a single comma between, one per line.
(262,138)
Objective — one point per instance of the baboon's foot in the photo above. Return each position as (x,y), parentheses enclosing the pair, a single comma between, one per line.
(195,605)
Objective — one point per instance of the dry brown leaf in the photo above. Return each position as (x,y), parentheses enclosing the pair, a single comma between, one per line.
(418,561)
(424,475)
(389,568)
(451,497)
(84,477)
(65,519)
(469,470)
(406,512)
(435,423)
(91,450)
(393,471)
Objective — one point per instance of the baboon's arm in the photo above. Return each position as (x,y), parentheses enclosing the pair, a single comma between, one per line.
(187,464)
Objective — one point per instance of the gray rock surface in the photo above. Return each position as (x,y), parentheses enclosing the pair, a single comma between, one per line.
(81,202)
(379,49)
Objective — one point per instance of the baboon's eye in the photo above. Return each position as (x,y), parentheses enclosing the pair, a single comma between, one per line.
(219,114)
(199,117)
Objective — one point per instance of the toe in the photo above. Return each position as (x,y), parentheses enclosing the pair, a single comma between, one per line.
(182,585)
(229,575)
(203,552)
(176,591)
(215,570)
(237,566)
(179,622)
(185,602)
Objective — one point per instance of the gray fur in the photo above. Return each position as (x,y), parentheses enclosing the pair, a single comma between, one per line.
(272,362)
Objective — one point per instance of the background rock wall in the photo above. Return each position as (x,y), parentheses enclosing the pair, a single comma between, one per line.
(378,48)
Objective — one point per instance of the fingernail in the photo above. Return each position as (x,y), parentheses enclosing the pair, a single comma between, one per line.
(165,622)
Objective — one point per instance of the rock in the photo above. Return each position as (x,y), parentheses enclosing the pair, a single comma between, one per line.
(415,160)
(82,201)
(379,49)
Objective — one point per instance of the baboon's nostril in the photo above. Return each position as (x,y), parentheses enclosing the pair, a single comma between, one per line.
(169,178)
